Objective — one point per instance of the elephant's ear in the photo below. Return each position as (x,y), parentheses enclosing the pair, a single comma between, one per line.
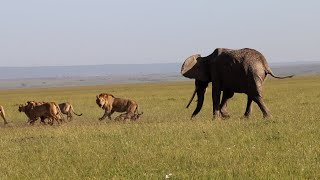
(194,67)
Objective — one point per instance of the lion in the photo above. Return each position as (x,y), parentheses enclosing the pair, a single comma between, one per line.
(124,116)
(42,110)
(26,109)
(3,115)
(67,109)
(112,104)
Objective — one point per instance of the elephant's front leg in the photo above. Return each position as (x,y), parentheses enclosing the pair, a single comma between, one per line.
(223,106)
(216,93)
(248,108)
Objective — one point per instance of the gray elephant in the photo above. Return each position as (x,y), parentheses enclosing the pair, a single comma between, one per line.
(230,71)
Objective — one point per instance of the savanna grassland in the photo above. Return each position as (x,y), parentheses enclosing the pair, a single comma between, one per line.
(165,141)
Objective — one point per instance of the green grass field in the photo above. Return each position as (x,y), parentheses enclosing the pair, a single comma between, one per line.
(165,141)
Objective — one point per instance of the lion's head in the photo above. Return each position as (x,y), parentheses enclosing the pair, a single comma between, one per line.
(22,108)
(100,101)
(103,99)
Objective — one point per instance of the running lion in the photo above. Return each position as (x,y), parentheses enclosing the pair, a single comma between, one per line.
(42,110)
(112,104)
(67,109)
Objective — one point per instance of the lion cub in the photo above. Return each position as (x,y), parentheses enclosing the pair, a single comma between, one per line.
(112,104)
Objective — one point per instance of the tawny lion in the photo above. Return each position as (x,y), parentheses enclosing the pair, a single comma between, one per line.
(112,104)
(67,109)
(42,110)
(3,115)
(26,109)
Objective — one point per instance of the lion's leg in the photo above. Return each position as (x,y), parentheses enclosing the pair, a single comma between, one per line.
(3,115)
(106,113)
(121,117)
(32,121)
(130,115)
(132,111)
(69,116)
(61,120)
(124,116)
(51,121)
(135,117)
(59,117)
(42,120)
(109,115)
(58,120)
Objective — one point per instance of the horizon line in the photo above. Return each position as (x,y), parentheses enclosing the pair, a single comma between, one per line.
(119,64)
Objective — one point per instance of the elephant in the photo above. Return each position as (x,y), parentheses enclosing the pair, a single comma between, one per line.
(230,71)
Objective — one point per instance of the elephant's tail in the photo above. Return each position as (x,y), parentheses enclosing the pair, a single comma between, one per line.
(278,77)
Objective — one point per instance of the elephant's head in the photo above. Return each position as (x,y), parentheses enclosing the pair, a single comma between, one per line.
(196,67)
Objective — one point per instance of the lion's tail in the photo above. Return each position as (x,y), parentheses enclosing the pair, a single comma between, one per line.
(71,107)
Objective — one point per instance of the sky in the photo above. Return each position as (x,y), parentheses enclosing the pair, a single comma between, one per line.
(91,32)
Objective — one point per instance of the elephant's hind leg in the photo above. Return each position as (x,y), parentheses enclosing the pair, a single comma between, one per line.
(255,93)
(262,106)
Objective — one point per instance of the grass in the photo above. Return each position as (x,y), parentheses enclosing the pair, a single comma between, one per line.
(165,140)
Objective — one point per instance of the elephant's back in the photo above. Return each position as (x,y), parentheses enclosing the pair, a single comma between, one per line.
(255,65)
(238,68)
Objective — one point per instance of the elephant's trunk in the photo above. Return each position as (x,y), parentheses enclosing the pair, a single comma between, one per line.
(200,95)
(192,97)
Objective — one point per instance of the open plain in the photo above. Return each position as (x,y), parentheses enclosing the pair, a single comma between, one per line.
(165,142)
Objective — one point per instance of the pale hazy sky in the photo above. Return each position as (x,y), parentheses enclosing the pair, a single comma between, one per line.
(85,32)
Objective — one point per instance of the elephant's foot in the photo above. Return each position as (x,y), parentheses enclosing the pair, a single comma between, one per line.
(217,115)
(224,114)
(267,116)
(245,117)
